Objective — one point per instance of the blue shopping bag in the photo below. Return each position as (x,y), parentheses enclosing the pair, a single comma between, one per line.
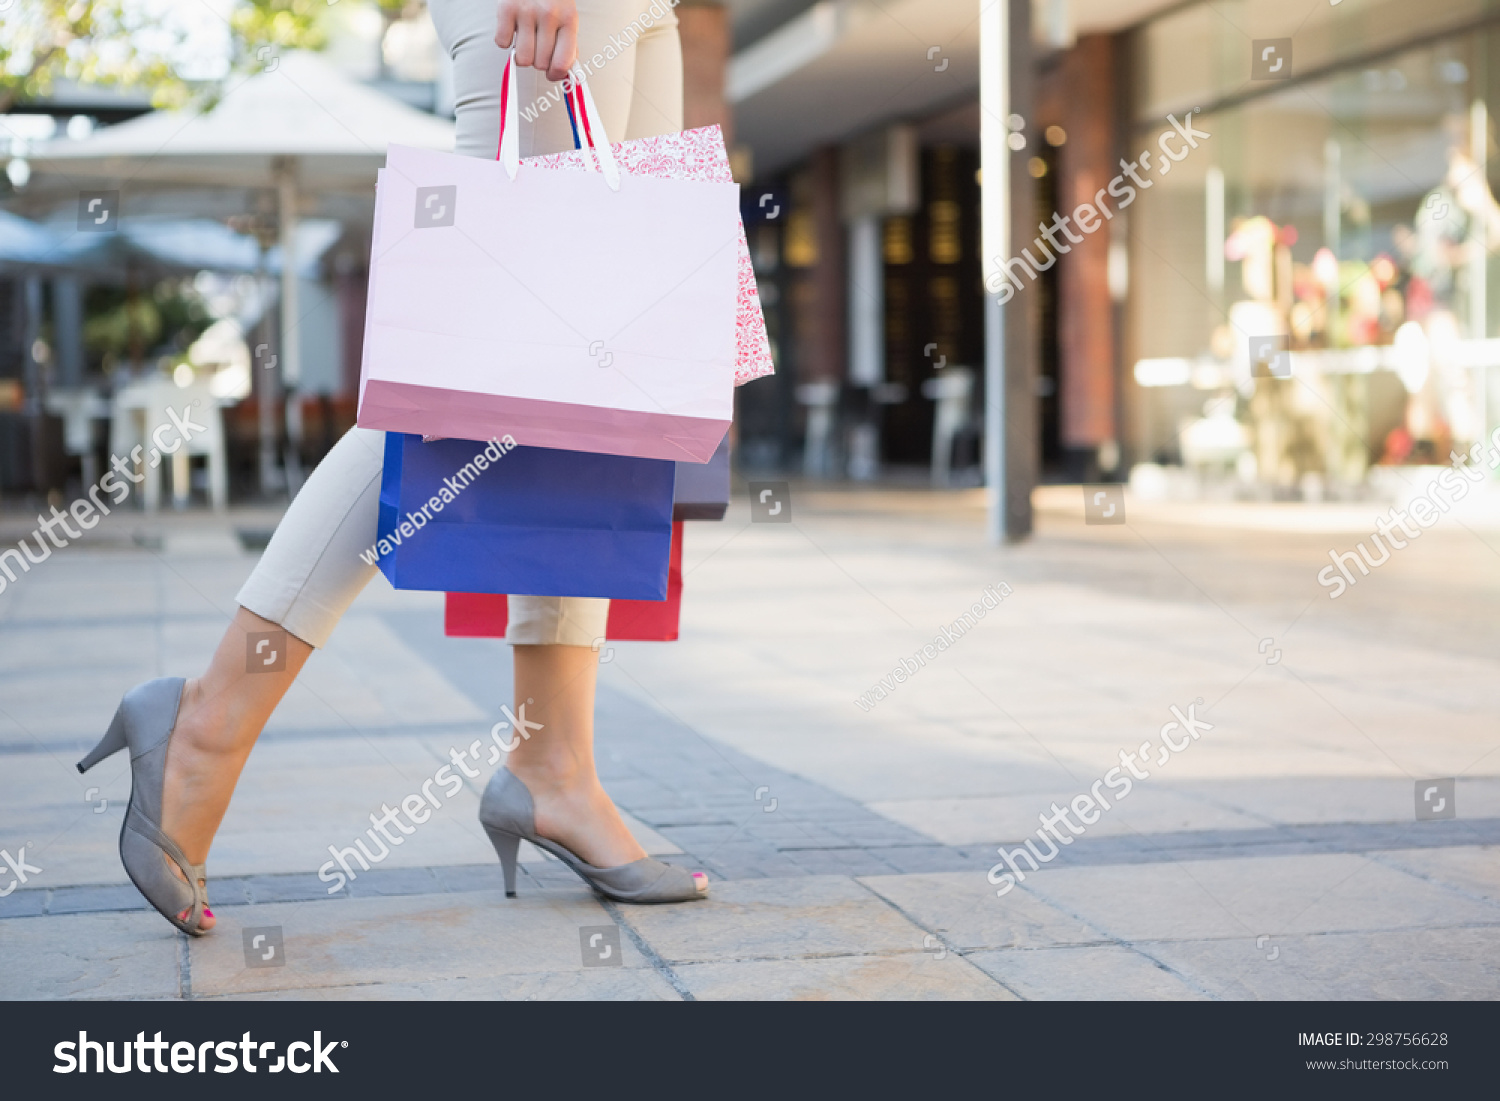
(468,517)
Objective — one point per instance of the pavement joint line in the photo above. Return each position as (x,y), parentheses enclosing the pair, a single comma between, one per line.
(947,944)
(860,848)
(1162,965)
(96,622)
(1128,945)
(658,964)
(241,994)
(184,967)
(1380,930)
(1379,857)
(86,742)
(874,954)
(973,949)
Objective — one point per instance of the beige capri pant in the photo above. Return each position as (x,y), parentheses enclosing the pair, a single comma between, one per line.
(311,570)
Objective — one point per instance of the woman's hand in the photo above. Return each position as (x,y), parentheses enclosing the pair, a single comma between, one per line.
(545,33)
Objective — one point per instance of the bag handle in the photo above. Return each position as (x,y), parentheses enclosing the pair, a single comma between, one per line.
(580,103)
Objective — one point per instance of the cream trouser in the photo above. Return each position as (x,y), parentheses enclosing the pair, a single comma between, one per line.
(312,571)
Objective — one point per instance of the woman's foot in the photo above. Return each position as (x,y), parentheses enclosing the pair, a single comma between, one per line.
(556,762)
(575,811)
(204,760)
(220,716)
(199,781)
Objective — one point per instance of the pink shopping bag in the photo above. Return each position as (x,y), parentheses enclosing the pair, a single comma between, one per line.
(694,155)
(567,310)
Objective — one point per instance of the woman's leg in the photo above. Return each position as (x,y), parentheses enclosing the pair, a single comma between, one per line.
(309,575)
(556,686)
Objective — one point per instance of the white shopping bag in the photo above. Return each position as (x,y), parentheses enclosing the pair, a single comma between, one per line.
(584,311)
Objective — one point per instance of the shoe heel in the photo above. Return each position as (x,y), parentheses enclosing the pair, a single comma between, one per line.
(112,742)
(507,847)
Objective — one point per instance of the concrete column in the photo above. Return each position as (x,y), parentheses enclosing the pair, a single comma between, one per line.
(828,274)
(866,303)
(291,339)
(866,328)
(821,318)
(67,326)
(1085,312)
(1010,414)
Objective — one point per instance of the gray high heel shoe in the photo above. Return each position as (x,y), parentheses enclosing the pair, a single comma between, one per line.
(143,724)
(508,815)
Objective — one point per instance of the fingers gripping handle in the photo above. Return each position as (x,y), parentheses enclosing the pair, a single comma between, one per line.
(587,129)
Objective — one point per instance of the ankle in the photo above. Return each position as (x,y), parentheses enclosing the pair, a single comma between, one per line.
(206,727)
(553,773)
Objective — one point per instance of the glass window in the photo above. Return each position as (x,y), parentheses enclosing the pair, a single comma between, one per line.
(1351,217)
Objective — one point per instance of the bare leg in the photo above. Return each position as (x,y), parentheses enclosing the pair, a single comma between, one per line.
(556,683)
(222,714)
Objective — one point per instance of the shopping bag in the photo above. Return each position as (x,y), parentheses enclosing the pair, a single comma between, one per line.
(703,488)
(460,516)
(485,615)
(563,309)
(693,155)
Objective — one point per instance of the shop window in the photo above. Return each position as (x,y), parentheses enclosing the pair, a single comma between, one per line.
(1352,217)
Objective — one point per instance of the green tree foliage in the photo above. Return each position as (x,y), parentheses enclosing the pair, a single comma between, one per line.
(128,43)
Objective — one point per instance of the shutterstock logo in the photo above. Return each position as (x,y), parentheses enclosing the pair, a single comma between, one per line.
(85,1056)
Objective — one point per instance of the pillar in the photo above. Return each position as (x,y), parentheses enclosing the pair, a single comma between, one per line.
(1085,311)
(704,28)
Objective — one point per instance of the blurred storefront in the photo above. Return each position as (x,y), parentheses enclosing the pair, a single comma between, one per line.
(1346,215)
(1307,293)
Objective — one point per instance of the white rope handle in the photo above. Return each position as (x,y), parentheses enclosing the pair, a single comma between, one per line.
(587,127)
(593,133)
(509,152)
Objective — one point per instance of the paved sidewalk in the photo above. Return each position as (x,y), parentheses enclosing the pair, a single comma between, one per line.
(1277,855)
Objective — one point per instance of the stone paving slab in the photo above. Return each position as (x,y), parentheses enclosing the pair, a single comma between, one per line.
(1442,964)
(962,909)
(600,984)
(921,977)
(777,919)
(1473,870)
(1107,972)
(1289,800)
(1146,810)
(1254,896)
(403,940)
(113,956)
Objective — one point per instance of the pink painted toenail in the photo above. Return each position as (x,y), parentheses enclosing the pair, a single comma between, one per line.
(207,912)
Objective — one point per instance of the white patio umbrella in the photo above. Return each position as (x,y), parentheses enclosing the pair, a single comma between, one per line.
(300,125)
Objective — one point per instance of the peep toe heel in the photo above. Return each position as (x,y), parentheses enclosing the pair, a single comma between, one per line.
(508,816)
(143,724)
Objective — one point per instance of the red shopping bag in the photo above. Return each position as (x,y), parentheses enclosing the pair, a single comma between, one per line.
(483,615)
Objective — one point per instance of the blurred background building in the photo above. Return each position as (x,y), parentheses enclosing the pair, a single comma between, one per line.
(1306,299)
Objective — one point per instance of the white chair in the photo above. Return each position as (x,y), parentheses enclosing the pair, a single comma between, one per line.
(79,409)
(820,399)
(952,389)
(141,420)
